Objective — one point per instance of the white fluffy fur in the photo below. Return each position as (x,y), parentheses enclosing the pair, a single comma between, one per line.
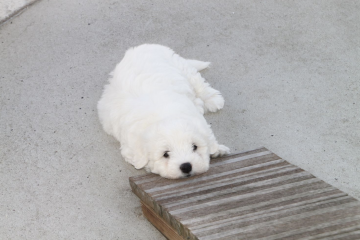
(154,103)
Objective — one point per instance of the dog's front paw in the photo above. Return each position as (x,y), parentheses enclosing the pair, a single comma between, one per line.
(222,150)
(215,102)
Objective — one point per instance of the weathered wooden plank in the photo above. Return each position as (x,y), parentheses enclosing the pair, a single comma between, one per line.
(160,224)
(250,195)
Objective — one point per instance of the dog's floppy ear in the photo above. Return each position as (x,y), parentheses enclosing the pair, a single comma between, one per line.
(140,160)
(137,158)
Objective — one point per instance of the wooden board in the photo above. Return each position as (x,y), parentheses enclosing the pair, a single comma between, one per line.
(159,223)
(250,195)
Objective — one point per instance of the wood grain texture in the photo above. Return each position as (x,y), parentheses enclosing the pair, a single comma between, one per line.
(159,223)
(251,195)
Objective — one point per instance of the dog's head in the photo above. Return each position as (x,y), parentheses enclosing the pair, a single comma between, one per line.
(177,149)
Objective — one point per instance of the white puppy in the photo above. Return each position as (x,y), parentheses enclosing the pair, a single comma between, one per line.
(154,105)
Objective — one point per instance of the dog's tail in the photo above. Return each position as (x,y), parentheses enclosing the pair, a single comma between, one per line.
(199,65)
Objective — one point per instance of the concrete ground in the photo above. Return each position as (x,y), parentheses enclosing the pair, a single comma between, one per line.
(289,72)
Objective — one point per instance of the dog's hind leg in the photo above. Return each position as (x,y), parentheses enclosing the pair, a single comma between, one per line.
(199,65)
(206,98)
(211,97)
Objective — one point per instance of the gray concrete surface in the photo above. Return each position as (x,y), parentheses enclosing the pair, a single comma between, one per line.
(289,71)
(9,8)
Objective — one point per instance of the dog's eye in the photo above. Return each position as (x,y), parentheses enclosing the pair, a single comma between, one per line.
(194,147)
(166,155)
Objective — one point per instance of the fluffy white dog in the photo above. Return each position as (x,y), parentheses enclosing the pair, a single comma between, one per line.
(154,105)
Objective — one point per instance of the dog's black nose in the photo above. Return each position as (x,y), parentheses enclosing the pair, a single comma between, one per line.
(185,167)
